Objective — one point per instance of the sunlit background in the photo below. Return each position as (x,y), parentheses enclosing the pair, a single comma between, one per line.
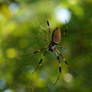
(23,29)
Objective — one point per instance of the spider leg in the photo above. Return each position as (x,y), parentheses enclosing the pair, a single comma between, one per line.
(48,26)
(34,52)
(41,60)
(60,69)
(49,30)
(66,62)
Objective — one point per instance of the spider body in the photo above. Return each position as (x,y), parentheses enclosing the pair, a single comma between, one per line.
(54,43)
(56,37)
(52,46)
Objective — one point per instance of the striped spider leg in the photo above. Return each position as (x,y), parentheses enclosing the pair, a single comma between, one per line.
(64,59)
(60,68)
(41,60)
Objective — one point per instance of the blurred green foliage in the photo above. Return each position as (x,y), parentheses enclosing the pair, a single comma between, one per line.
(23,25)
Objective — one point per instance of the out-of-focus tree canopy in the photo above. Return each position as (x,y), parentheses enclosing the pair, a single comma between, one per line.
(22,30)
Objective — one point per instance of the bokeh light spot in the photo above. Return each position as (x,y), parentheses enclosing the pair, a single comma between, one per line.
(68,78)
(2,84)
(13,8)
(63,15)
(73,2)
(11,53)
(8,90)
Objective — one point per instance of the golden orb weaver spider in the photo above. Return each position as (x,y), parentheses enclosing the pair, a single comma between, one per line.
(52,47)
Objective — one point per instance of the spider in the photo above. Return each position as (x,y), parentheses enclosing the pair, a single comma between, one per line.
(53,47)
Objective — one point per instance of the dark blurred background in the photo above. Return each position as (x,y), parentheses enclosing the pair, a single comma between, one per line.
(22,30)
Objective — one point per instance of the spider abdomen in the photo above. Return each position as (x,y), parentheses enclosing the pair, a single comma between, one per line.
(56,35)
